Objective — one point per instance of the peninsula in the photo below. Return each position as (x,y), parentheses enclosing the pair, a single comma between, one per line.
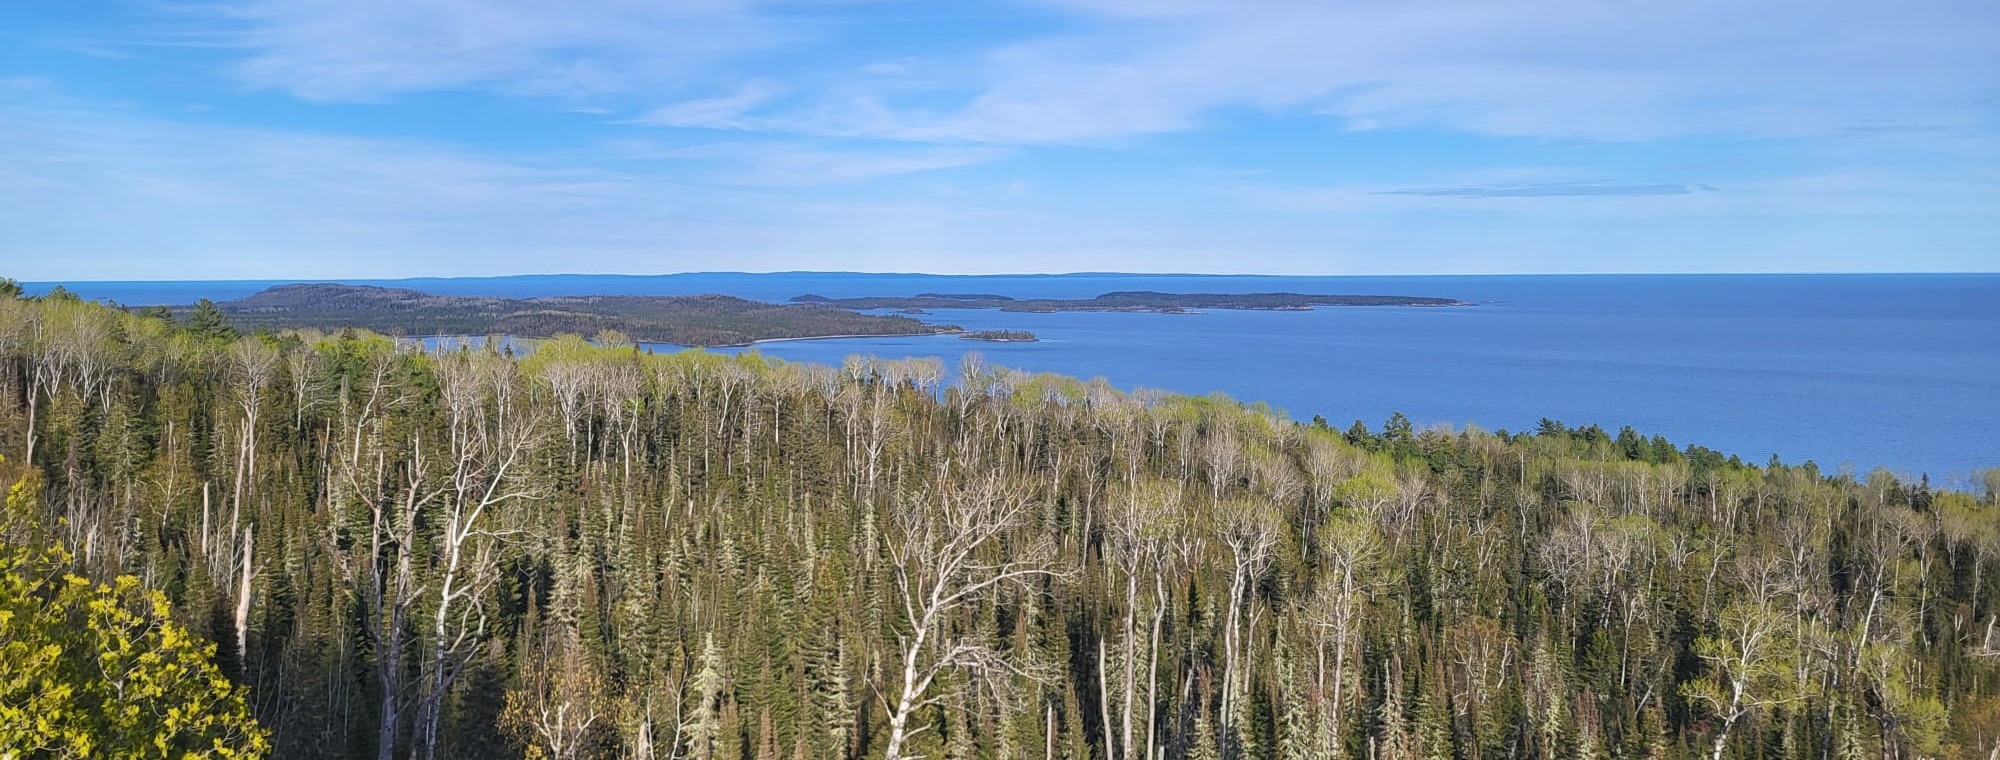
(702,320)
(1126,300)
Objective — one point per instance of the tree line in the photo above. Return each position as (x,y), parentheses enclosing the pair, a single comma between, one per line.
(596,552)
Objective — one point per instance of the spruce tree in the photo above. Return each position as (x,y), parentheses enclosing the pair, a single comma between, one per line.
(704,727)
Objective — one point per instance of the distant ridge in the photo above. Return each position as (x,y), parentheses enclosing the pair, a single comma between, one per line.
(1129,300)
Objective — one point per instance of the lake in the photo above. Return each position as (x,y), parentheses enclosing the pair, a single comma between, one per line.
(1901,371)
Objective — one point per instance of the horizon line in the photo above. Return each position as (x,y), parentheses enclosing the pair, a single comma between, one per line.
(1088,273)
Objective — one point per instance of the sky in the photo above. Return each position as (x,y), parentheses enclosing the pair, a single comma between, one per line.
(247,139)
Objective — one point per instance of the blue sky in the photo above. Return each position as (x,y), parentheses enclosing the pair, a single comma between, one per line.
(382,138)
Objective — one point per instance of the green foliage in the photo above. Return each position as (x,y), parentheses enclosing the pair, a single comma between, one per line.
(207,321)
(100,670)
(59,294)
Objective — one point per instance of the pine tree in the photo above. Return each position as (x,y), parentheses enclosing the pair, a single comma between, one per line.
(1849,743)
(1392,729)
(208,322)
(1203,744)
(833,707)
(1301,734)
(1434,732)
(1550,697)
(704,725)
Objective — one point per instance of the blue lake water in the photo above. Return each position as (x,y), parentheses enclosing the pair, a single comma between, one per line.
(1901,371)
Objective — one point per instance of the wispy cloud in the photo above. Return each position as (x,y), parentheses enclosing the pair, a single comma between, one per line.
(144,197)
(1548,190)
(367,49)
(219,189)
(1880,127)
(791,165)
(1103,70)
(23,82)
(1274,135)
(1539,68)
(765,163)
(724,112)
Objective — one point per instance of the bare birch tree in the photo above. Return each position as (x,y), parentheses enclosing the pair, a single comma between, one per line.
(1141,529)
(489,432)
(1250,531)
(1349,550)
(949,550)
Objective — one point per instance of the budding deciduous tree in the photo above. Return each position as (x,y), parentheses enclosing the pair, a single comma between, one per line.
(1747,663)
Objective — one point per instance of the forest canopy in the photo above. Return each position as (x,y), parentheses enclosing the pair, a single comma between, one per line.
(594,552)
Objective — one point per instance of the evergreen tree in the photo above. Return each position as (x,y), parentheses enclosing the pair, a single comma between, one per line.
(704,726)
(1434,732)
(207,321)
(1203,746)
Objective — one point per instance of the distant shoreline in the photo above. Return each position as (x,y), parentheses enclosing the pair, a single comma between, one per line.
(1126,301)
(777,286)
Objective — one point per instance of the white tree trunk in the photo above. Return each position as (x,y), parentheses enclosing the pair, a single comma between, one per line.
(243,597)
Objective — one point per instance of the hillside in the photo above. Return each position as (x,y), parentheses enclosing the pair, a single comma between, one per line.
(714,557)
(704,320)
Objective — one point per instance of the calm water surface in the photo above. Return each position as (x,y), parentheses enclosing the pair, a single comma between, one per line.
(1900,371)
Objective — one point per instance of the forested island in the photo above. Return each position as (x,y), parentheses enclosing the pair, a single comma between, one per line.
(1125,300)
(1000,336)
(704,320)
(594,552)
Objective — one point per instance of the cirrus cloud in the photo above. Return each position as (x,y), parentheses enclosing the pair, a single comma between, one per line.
(334,50)
(1549,190)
